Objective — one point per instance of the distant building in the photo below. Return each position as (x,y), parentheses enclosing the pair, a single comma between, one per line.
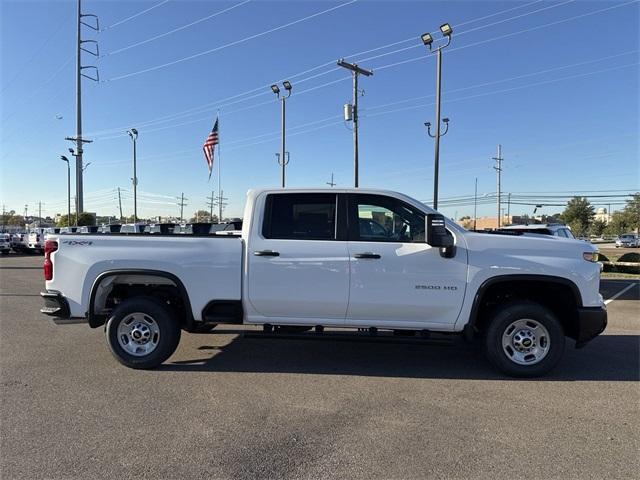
(602,215)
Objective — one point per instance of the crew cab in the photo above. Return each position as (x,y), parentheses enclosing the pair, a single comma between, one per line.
(358,259)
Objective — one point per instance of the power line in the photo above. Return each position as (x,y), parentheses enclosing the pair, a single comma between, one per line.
(135,15)
(203,107)
(230,44)
(156,37)
(415,59)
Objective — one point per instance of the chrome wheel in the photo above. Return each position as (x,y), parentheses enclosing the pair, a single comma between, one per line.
(526,342)
(138,334)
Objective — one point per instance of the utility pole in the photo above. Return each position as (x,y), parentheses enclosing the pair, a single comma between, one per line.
(475,205)
(498,168)
(39,214)
(221,204)
(355,71)
(509,208)
(133,133)
(210,204)
(331,183)
(427,39)
(182,204)
(79,141)
(26,208)
(120,203)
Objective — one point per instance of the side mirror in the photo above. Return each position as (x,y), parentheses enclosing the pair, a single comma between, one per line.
(437,235)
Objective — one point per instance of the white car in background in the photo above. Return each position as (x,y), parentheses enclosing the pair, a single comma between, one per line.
(629,240)
(553,229)
(5,244)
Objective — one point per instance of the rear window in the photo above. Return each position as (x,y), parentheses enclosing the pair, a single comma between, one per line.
(300,216)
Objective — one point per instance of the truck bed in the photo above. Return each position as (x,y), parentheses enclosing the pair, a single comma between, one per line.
(208,266)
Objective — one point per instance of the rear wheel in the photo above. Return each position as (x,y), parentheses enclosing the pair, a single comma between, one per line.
(142,333)
(524,340)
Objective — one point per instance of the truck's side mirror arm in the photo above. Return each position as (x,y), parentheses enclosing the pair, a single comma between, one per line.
(438,236)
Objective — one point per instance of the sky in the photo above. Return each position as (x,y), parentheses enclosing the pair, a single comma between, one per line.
(555,83)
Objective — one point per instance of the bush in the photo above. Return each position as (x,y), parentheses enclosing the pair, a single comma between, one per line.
(632,257)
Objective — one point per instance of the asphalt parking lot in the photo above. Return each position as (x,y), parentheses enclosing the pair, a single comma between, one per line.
(228,406)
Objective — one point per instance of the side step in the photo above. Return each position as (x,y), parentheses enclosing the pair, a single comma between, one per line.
(367,335)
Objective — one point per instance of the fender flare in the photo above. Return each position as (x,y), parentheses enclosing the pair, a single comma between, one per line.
(96,320)
(470,327)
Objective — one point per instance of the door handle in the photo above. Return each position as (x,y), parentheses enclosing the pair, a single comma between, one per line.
(266,253)
(367,255)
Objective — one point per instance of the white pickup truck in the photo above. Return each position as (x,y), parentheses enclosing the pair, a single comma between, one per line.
(307,259)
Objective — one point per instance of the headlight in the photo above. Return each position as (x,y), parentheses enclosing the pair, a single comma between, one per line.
(590,256)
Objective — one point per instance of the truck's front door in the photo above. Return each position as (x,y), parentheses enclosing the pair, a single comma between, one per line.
(395,275)
(298,266)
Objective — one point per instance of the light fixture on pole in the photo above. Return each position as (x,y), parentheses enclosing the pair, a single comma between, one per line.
(65,159)
(427,40)
(355,70)
(133,133)
(283,156)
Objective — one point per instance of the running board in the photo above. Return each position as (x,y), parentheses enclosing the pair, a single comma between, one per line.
(423,337)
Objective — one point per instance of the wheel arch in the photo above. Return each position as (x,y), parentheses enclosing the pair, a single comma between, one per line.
(559,294)
(96,319)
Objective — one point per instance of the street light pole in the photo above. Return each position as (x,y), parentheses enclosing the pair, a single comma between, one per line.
(427,39)
(133,133)
(355,70)
(65,159)
(283,158)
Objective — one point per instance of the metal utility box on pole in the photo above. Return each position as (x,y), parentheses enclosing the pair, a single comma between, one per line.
(355,71)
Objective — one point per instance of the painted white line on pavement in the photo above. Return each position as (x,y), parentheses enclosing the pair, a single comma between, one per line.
(624,290)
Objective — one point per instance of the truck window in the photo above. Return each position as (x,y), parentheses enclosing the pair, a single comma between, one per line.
(385,219)
(301,216)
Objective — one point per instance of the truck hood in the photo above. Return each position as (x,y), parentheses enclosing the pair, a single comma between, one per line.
(529,245)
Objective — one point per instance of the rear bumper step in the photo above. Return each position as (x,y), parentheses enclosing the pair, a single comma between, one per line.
(55,305)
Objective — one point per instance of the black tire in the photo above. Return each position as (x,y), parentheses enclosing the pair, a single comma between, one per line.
(501,320)
(168,329)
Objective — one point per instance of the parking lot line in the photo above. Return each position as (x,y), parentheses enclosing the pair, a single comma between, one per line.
(621,292)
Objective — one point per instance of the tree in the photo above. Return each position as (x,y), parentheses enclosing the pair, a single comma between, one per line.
(84,219)
(578,215)
(632,212)
(597,228)
(203,216)
(618,224)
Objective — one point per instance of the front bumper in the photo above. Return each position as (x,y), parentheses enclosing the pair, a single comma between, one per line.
(55,305)
(591,322)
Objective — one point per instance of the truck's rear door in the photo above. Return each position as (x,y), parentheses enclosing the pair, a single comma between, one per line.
(298,267)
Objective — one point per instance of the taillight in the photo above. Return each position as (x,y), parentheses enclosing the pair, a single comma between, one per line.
(50,246)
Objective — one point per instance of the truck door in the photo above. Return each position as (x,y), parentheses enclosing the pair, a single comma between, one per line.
(298,264)
(395,275)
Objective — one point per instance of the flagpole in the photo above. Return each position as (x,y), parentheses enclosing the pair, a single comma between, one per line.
(219,173)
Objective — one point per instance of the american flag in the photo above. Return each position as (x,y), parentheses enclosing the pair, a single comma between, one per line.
(209,144)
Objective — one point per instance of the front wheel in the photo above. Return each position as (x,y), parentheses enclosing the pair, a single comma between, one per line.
(524,340)
(141,333)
